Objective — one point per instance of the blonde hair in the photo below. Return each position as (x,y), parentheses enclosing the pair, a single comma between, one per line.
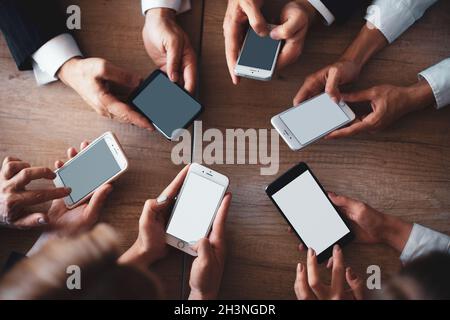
(44,275)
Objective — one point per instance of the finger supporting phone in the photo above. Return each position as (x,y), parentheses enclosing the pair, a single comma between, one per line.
(196,207)
(101,162)
(302,125)
(305,205)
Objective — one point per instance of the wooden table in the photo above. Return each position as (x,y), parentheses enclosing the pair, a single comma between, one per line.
(404,171)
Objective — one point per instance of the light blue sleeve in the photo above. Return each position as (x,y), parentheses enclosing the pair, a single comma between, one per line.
(438,77)
(422,241)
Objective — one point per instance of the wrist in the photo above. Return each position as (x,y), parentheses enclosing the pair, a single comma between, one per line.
(395,232)
(368,42)
(420,95)
(160,13)
(64,73)
(309,9)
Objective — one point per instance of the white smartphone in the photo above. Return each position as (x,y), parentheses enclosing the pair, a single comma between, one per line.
(258,56)
(196,207)
(302,125)
(101,162)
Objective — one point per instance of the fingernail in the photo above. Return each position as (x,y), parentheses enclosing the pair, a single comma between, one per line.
(336,248)
(311,252)
(331,193)
(351,274)
(174,76)
(161,199)
(274,34)
(42,221)
(300,267)
(68,190)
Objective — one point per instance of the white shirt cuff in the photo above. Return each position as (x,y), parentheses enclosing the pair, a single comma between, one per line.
(438,77)
(323,10)
(179,6)
(393,17)
(52,55)
(422,241)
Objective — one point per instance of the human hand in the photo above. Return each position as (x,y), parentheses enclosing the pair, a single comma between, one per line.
(308,285)
(328,79)
(368,42)
(169,47)
(15,175)
(389,103)
(296,18)
(150,245)
(238,13)
(371,226)
(64,222)
(207,268)
(90,77)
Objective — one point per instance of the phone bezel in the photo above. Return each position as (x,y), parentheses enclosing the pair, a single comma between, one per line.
(291,139)
(116,150)
(287,178)
(144,85)
(208,174)
(252,72)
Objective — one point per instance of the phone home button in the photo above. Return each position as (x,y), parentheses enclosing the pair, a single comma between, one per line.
(180,244)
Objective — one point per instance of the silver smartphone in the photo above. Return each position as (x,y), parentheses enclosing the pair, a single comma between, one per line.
(258,56)
(308,122)
(195,209)
(101,162)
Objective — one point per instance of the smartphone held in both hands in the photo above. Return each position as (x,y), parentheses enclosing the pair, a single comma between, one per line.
(258,56)
(196,207)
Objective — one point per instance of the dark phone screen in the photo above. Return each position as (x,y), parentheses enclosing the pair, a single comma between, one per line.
(258,52)
(166,105)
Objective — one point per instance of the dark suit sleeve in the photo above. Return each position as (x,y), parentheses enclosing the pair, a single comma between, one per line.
(29,24)
(343,9)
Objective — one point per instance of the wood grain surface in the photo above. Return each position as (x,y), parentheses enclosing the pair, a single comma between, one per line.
(38,124)
(404,170)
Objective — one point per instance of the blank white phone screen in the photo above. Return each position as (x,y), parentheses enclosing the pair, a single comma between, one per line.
(195,208)
(310,213)
(314,118)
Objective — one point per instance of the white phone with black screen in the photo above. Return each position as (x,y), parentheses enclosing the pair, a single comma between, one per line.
(196,207)
(101,162)
(258,56)
(305,205)
(310,121)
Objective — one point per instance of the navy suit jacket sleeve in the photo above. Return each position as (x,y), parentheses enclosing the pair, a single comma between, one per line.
(29,24)
(343,9)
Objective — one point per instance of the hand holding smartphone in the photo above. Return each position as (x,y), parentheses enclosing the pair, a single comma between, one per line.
(165,104)
(310,121)
(103,161)
(196,207)
(258,56)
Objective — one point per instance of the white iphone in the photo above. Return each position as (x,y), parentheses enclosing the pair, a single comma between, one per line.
(258,56)
(302,125)
(101,162)
(196,207)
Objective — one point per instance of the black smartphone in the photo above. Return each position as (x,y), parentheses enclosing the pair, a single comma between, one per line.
(165,104)
(305,205)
